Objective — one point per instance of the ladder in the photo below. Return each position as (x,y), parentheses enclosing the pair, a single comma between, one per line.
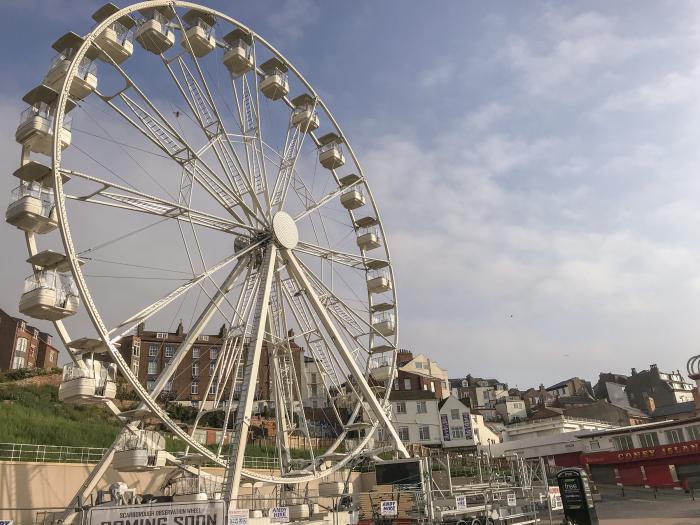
(232,169)
(158,132)
(201,107)
(287,166)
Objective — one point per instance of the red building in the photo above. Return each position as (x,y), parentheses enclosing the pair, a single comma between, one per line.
(662,454)
(24,346)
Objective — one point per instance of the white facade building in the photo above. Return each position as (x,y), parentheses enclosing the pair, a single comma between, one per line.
(416,418)
(425,366)
(511,409)
(459,428)
(313,392)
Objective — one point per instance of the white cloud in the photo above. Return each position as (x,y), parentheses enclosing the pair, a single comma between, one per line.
(292,17)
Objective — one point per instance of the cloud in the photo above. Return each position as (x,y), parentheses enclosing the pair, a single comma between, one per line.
(292,17)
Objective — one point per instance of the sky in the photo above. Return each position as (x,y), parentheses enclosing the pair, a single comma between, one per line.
(535,165)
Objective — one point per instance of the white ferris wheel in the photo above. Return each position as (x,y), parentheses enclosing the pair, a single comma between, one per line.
(176,166)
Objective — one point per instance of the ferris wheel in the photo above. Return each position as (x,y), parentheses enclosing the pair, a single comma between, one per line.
(176,166)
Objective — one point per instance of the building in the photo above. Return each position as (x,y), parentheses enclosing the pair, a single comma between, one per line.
(149,352)
(415,415)
(459,387)
(425,367)
(611,387)
(661,454)
(313,391)
(460,429)
(649,389)
(24,346)
(601,410)
(574,386)
(537,397)
(483,393)
(511,409)
(678,411)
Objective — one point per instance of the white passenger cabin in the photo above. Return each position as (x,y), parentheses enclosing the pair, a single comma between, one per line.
(49,294)
(380,368)
(35,130)
(330,153)
(275,83)
(139,451)
(199,38)
(353,198)
(238,57)
(378,281)
(85,80)
(368,238)
(88,381)
(154,32)
(384,323)
(304,115)
(116,41)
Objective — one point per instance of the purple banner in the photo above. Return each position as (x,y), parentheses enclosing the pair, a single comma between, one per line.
(445,427)
(467,425)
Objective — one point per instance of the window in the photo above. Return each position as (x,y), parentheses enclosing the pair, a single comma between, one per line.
(421,407)
(213,353)
(136,349)
(162,335)
(674,436)
(693,432)
(135,368)
(169,386)
(465,383)
(454,413)
(150,384)
(396,384)
(419,366)
(622,442)
(457,432)
(649,439)
(195,369)
(432,386)
(401,407)
(212,365)
(425,386)
(194,388)
(313,378)
(204,338)
(407,383)
(20,358)
(212,389)
(403,433)
(152,350)
(595,445)
(152,368)
(195,352)
(169,351)
(424,433)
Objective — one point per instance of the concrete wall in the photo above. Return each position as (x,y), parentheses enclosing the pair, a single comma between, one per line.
(36,486)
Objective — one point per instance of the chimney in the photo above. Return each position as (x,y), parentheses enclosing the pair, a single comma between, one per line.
(696,398)
(140,328)
(180,329)
(634,371)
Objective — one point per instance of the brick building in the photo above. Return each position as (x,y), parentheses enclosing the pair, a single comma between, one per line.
(24,346)
(148,352)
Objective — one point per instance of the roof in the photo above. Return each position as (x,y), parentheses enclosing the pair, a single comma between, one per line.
(407,395)
(634,428)
(675,409)
(576,399)
(558,385)
(464,401)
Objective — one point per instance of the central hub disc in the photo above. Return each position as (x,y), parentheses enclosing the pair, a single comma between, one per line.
(285,230)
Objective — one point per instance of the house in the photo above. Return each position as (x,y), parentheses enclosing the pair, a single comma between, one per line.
(571,387)
(422,365)
(511,409)
(611,387)
(313,390)
(651,389)
(537,397)
(460,428)
(483,393)
(415,415)
(24,346)
(459,387)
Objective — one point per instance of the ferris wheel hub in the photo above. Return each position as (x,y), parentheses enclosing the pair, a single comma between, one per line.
(285,230)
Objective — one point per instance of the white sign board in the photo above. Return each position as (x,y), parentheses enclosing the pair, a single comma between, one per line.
(512,501)
(7,522)
(555,499)
(389,508)
(461,502)
(279,514)
(238,516)
(194,513)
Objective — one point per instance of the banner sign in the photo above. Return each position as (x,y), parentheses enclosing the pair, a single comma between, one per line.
(466,417)
(461,502)
(195,513)
(238,516)
(389,508)
(7,522)
(445,427)
(555,499)
(279,514)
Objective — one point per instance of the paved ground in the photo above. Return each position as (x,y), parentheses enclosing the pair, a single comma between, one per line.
(643,509)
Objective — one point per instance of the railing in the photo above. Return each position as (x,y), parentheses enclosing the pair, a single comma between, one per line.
(64,454)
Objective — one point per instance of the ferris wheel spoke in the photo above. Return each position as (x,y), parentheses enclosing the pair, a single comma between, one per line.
(290,154)
(314,206)
(143,315)
(131,199)
(358,374)
(348,259)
